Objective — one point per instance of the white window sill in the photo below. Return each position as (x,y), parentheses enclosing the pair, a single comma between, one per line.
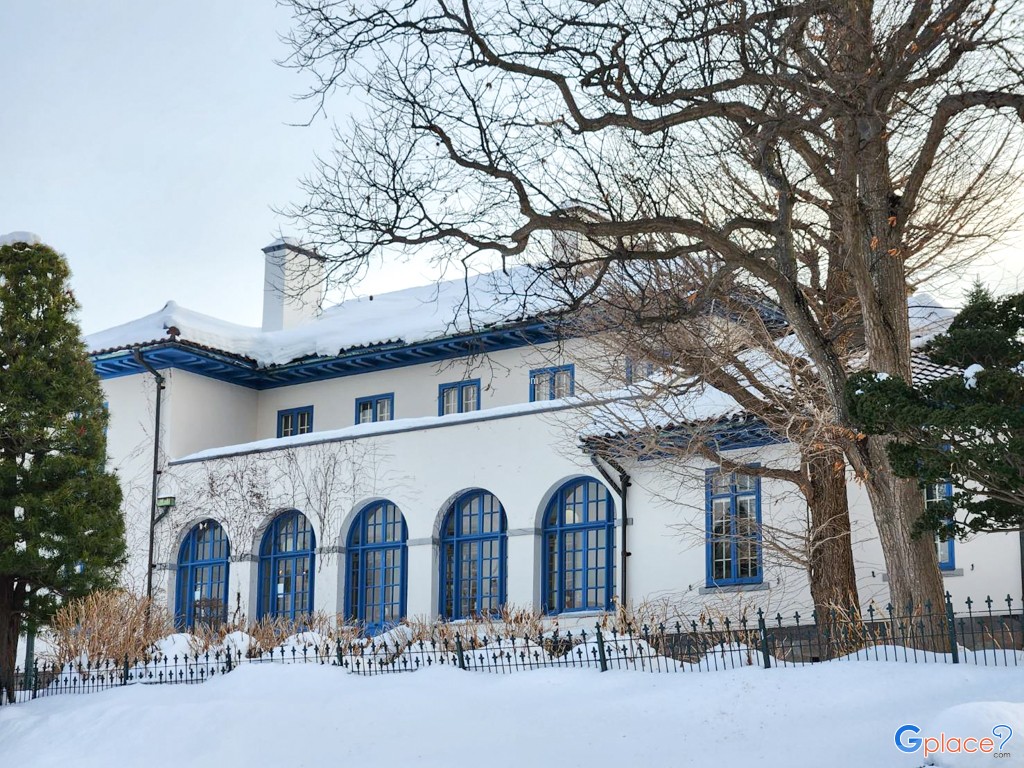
(952,572)
(728,588)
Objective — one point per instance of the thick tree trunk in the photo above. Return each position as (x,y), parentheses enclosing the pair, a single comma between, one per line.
(10,627)
(915,583)
(831,571)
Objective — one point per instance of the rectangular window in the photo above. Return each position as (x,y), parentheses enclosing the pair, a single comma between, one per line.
(375,408)
(934,495)
(552,383)
(458,397)
(637,370)
(295,421)
(733,528)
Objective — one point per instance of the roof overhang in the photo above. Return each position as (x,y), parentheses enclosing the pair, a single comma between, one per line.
(215,364)
(731,433)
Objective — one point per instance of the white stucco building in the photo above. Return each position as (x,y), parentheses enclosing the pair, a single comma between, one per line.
(411,455)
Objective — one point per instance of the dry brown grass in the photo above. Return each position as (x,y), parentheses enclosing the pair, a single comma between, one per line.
(510,621)
(108,626)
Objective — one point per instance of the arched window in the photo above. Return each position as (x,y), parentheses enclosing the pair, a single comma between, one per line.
(579,524)
(376,562)
(202,593)
(286,568)
(473,538)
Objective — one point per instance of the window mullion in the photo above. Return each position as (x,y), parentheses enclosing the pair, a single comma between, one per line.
(734,565)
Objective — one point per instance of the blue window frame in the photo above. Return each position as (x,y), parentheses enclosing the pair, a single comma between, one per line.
(473,557)
(375,408)
(202,586)
(637,370)
(579,567)
(552,383)
(295,421)
(458,397)
(733,507)
(935,495)
(287,555)
(376,559)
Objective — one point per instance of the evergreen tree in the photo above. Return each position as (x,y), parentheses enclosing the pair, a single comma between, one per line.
(61,529)
(966,429)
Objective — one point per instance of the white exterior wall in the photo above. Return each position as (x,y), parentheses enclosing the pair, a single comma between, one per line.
(131,401)
(206,413)
(521,459)
(421,472)
(504,380)
(196,413)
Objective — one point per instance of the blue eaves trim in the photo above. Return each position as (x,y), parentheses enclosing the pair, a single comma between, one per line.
(244,372)
(728,434)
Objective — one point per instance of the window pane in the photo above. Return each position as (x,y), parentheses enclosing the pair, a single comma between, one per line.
(287,425)
(720,483)
(305,423)
(450,400)
(744,483)
(542,386)
(470,397)
(365,412)
(384,409)
(563,384)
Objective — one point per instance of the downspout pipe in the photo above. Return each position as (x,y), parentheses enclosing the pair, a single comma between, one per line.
(621,488)
(160,383)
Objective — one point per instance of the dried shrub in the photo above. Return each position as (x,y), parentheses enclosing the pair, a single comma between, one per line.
(108,626)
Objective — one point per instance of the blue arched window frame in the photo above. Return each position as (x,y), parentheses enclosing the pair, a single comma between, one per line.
(202,586)
(287,551)
(473,561)
(376,564)
(578,531)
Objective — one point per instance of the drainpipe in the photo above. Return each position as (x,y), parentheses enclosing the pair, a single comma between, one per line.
(137,354)
(620,488)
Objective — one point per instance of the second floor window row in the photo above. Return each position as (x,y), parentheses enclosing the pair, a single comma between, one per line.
(454,397)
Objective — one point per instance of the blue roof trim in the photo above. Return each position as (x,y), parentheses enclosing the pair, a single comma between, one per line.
(727,434)
(244,372)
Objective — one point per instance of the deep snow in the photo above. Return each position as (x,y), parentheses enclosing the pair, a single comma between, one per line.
(839,715)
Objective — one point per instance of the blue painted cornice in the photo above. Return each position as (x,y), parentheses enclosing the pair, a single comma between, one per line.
(235,369)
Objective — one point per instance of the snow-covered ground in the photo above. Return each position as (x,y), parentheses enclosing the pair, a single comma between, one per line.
(839,715)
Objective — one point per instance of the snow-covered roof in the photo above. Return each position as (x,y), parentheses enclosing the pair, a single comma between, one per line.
(31,238)
(704,404)
(451,307)
(928,316)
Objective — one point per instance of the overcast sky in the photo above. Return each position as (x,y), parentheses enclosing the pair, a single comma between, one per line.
(149,143)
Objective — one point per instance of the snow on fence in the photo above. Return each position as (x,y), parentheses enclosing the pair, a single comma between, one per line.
(990,637)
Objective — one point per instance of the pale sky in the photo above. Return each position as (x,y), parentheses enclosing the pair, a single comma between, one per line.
(149,142)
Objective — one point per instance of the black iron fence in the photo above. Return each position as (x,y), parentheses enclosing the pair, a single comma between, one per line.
(989,634)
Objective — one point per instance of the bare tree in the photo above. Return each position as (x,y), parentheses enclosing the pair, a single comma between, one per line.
(825,152)
(244,492)
(707,371)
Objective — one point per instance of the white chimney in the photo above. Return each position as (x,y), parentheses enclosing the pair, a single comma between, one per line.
(293,284)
